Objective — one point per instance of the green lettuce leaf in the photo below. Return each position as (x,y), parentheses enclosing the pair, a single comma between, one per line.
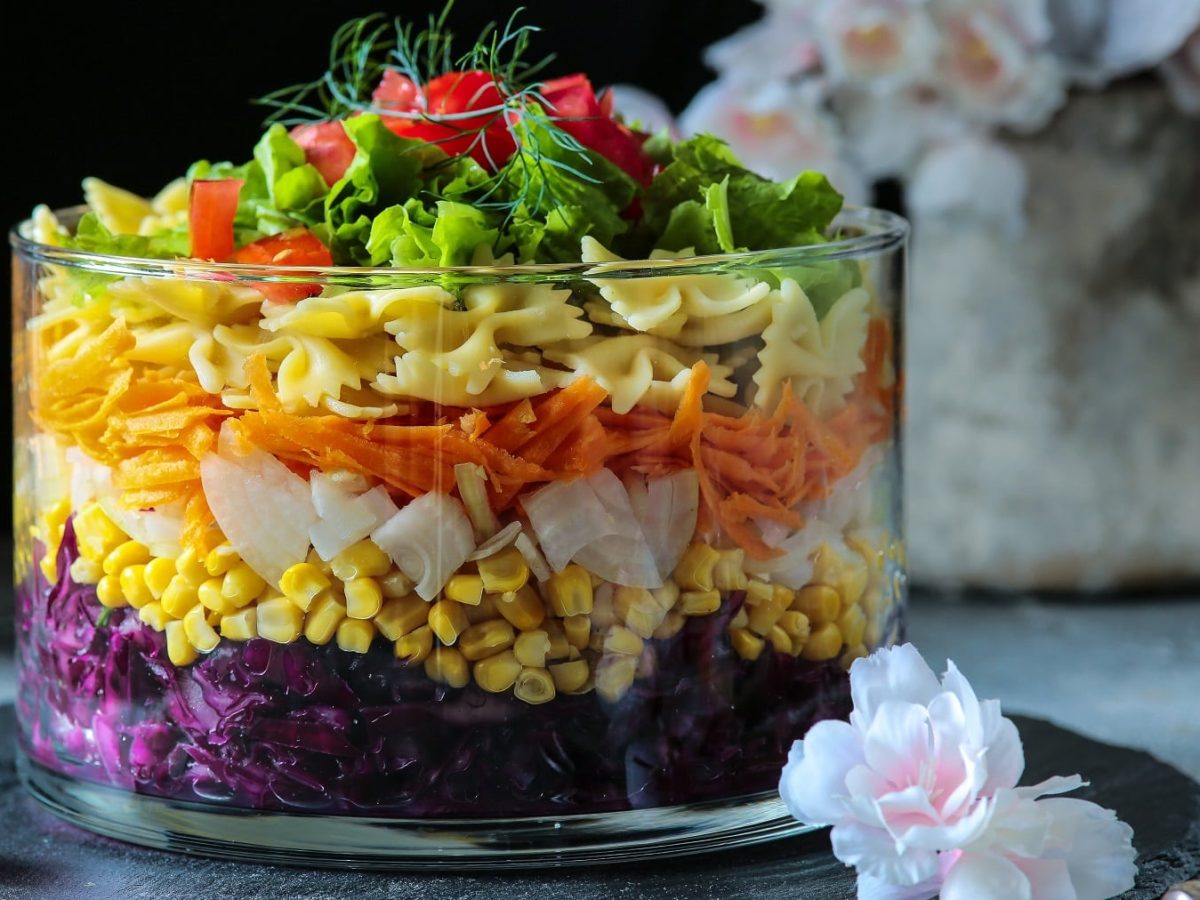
(411,235)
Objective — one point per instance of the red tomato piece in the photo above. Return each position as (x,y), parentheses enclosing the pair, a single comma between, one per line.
(296,247)
(397,91)
(211,210)
(327,147)
(588,119)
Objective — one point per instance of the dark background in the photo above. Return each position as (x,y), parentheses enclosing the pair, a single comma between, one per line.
(133,93)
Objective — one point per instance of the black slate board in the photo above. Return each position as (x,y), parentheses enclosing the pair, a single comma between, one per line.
(41,857)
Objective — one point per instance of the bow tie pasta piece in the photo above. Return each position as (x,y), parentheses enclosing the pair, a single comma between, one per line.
(463,357)
(184,345)
(820,359)
(670,304)
(354,314)
(206,303)
(639,368)
(122,212)
(307,369)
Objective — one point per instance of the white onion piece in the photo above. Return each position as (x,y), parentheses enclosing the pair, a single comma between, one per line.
(429,540)
(346,517)
(89,479)
(533,557)
(264,509)
(566,516)
(160,529)
(851,501)
(622,556)
(497,541)
(672,505)
(795,568)
(472,488)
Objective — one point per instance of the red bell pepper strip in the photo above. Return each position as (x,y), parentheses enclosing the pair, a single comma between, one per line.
(297,247)
(211,209)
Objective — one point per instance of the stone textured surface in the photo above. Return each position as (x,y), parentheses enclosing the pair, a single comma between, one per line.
(1054,425)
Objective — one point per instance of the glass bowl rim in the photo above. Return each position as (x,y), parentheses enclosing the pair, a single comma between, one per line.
(880,229)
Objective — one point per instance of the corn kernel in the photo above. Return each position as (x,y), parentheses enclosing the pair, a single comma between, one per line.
(212,617)
(314,560)
(486,639)
(279,620)
(159,573)
(96,534)
(534,686)
(853,583)
(853,625)
(133,585)
(179,649)
(445,665)
(873,636)
(741,618)
(671,625)
(220,559)
(782,596)
(465,588)
(448,620)
(695,569)
(747,644)
(638,609)
(559,647)
(780,640)
(871,554)
(84,570)
(819,602)
(531,649)
(622,641)
(762,618)
(570,592)
(361,560)
(504,572)
(108,591)
(667,596)
(604,610)
(874,601)
(570,676)
(850,654)
(824,643)
(415,646)
(127,554)
(614,676)
(523,608)
(179,597)
(498,673)
(729,572)
(355,635)
(152,614)
(190,566)
(400,615)
(241,625)
(323,617)
(396,584)
(795,624)
(199,633)
(302,582)
(758,592)
(699,603)
(211,597)
(364,598)
(578,630)
(485,611)
(242,584)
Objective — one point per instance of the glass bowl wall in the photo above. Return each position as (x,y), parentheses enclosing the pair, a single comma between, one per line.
(490,565)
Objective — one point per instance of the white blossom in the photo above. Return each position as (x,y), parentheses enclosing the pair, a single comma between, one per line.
(878,44)
(972,178)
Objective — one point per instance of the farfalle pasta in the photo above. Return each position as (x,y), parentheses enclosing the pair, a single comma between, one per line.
(451,469)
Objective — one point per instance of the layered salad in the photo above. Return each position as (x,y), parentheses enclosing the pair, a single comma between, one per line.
(444,530)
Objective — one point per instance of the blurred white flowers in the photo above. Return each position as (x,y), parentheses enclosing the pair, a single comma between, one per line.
(920,788)
(909,89)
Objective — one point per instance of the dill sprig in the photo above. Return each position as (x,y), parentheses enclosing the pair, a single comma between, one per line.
(361,52)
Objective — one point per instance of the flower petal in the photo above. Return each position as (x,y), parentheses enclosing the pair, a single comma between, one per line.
(873,852)
(870,888)
(813,784)
(898,742)
(1048,878)
(1055,784)
(897,673)
(1096,846)
(962,831)
(985,876)
(1018,825)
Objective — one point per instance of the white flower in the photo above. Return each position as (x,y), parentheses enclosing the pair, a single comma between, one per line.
(776,129)
(993,62)
(776,48)
(886,133)
(920,788)
(883,44)
(1182,74)
(971,178)
(639,107)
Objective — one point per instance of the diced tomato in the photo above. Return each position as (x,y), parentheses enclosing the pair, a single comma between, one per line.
(211,210)
(588,119)
(485,136)
(297,247)
(327,147)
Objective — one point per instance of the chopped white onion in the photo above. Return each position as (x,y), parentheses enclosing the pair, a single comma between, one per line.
(497,541)
(264,509)
(533,557)
(794,568)
(159,529)
(346,515)
(472,488)
(669,508)
(89,479)
(429,540)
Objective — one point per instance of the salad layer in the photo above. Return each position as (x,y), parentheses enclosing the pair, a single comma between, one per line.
(298,543)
